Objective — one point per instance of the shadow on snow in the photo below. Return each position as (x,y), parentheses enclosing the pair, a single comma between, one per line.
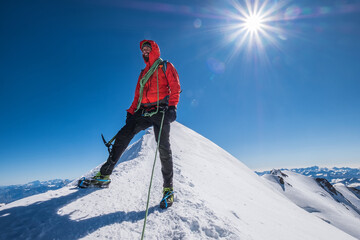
(41,220)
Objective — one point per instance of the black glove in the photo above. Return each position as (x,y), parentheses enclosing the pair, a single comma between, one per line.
(171,113)
(129,117)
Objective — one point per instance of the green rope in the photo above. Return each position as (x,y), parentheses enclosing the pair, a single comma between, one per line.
(143,81)
(145,78)
(150,114)
(152,175)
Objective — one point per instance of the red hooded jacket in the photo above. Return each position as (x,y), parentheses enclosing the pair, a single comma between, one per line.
(169,85)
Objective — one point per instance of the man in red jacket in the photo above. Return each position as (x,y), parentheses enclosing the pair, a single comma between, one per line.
(157,93)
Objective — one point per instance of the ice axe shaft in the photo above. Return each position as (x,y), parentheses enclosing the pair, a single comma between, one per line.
(108,144)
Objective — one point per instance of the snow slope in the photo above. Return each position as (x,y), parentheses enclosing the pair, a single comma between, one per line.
(328,203)
(216,197)
(349,195)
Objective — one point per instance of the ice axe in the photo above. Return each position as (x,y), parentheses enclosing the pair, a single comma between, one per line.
(108,144)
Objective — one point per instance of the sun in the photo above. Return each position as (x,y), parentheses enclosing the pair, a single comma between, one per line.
(253,26)
(254,23)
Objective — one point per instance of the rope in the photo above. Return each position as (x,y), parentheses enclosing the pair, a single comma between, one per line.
(152,175)
(158,97)
(143,81)
(145,78)
(142,84)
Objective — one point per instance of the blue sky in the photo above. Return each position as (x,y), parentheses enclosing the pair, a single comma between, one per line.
(68,71)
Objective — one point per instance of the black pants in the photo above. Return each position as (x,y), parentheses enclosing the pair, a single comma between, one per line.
(133,126)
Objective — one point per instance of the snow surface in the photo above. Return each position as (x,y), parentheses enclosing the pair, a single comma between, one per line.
(216,197)
(349,195)
(305,192)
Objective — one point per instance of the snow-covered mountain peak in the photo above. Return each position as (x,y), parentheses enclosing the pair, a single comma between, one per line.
(327,186)
(337,205)
(216,197)
(348,176)
(277,172)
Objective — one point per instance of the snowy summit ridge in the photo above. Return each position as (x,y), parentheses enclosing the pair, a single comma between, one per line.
(216,197)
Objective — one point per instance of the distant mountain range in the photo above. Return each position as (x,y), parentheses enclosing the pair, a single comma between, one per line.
(14,192)
(350,177)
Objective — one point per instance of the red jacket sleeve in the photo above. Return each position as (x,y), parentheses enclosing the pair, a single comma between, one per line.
(174,84)
(134,104)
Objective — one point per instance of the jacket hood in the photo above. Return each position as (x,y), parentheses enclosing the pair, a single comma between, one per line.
(155,51)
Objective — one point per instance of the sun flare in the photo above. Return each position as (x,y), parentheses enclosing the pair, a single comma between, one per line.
(253,26)
(253,23)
